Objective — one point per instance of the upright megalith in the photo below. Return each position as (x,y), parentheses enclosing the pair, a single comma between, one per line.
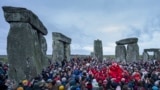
(156,54)
(61,47)
(145,56)
(131,53)
(26,45)
(120,53)
(92,54)
(98,50)
(43,45)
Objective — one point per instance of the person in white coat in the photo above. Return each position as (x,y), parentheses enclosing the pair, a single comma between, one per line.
(95,85)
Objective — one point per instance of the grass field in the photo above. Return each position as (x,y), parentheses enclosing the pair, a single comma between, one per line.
(4,58)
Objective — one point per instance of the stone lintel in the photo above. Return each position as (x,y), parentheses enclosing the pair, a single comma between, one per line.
(127,41)
(152,50)
(61,37)
(18,14)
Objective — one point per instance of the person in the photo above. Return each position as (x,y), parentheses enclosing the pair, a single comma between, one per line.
(118,88)
(89,85)
(20,88)
(2,77)
(61,87)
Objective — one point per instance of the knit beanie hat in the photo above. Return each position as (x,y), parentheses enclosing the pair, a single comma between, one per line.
(20,88)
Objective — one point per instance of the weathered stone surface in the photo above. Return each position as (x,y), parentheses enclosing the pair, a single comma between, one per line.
(98,50)
(152,50)
(17,14)
(145,56)
(156,52)
(43,45)
(92,55)
(132,52)
(61,37)
(157,55)
(61,47)
(26,46)
(23,51)
(120,53)
(67,52)
(127,41)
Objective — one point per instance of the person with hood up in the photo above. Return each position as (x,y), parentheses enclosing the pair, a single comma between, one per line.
(72,85)
(64,81)
(95,85)
(118,88)
(156,84)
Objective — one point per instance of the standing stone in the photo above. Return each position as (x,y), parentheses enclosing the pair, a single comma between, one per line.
(157,55)
(43,45)
(120,53)
(98,50)
(145,56)
(92,55)
(61,47)
(67,52)
(24,46)
(132,52)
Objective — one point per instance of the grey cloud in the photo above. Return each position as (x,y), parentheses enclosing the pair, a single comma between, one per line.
(95,14)
(77,35)
(152,26)
(133,32)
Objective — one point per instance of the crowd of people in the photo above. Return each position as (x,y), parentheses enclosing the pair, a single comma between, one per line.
(90,74)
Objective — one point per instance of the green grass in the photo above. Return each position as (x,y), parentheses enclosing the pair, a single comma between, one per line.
(4,60)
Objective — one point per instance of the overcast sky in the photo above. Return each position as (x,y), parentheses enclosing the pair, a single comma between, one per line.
(87,20)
